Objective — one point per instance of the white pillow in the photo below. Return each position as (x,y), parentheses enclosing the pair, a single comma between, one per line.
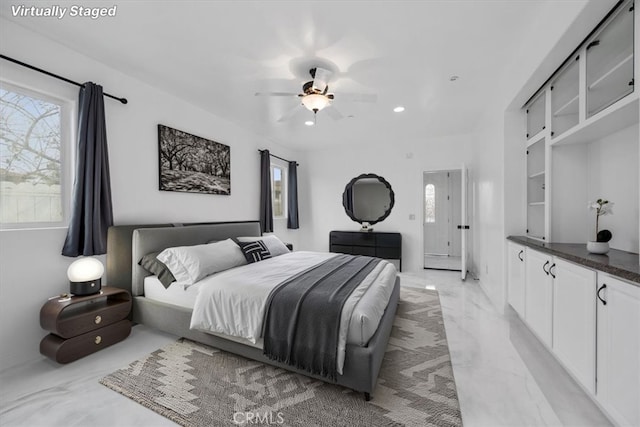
(275,245)
(188,264)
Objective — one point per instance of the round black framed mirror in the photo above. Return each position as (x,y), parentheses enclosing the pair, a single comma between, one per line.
(368,199)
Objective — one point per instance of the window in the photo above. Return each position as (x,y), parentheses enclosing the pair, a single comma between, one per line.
(34,129)
(429,203)
(279,190)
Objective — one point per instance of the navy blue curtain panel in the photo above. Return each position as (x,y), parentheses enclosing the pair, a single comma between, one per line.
(266,208)
(292,197)
(92,210)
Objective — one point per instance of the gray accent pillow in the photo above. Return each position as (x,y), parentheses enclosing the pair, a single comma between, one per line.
(271,241)
(153,265)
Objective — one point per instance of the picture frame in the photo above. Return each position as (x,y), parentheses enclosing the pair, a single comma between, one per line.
(192,164)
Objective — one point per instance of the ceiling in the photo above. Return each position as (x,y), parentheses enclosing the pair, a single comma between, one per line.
(218,54)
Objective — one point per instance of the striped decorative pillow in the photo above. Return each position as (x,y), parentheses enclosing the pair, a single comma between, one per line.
(254,251)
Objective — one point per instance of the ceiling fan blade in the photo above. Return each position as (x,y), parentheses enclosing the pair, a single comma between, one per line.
(289,114)
(333,113)
(358,97)
(321,79)
(276,94)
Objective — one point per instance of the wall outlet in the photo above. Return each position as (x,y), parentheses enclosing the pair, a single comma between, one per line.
(412,217)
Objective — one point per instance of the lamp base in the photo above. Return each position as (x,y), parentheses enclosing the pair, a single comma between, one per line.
(85,288)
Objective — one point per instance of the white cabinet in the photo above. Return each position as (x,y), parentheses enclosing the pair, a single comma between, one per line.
(539,295)
(574,320)
(515,279)
(618,373)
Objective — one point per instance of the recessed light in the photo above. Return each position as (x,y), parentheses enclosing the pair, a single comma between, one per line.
(453,78)
(309,123)
(399,109)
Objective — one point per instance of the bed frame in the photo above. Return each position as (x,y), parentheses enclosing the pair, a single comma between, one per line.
(128,243)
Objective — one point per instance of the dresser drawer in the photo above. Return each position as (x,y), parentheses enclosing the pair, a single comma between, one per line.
(341,249)
(65,351)
(352,238)
(388,253)
(389,240)
(364,250)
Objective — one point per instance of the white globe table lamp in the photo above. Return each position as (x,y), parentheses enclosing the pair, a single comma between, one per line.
(85,276)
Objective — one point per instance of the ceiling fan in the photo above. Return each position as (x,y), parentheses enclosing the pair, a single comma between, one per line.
(315,95)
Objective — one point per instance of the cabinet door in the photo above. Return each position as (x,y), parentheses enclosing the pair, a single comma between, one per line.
(516,277)
(539,295)
(536,115)
(610,62)
(618,387)
(574,320)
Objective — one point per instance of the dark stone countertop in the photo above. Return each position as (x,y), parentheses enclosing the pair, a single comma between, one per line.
(617,263)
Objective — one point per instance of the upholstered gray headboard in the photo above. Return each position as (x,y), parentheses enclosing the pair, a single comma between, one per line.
(127,244)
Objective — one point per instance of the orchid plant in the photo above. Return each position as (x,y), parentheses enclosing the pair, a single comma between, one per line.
(602,207)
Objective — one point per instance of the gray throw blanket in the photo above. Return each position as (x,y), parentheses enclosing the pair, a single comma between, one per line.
(302,319)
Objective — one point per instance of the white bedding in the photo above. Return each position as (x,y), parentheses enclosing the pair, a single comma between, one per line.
(233,302)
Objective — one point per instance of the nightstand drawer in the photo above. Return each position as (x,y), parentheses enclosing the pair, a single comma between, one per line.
(65,351)
(84,314)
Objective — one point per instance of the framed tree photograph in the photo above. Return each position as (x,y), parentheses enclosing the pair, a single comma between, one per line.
(192,164)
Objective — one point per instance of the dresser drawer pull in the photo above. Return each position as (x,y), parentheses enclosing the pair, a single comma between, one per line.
(98,339)
(98,319)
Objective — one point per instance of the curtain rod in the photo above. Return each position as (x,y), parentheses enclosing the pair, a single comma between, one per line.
(278,157)
(40,70)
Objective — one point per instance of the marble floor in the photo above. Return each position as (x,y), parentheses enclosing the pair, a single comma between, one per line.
(443,262)
(503,375)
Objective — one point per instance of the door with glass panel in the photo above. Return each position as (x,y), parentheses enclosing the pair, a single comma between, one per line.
(442,214)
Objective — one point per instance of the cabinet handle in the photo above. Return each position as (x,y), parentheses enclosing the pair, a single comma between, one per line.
(98,339)
(551,272)
(98,319)
(520,255)
(545,270)
(598,294)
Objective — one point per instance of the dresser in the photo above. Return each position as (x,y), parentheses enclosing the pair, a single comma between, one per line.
(370,243)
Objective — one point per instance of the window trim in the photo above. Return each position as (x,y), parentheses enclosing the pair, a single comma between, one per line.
(285,172)
(67,155)
(426,216)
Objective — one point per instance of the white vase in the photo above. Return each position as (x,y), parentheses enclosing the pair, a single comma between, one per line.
(597,247)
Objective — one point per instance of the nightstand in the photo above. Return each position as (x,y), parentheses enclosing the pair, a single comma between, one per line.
(82,325)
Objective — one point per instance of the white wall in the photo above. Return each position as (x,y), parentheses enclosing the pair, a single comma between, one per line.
(31,267)
(613,175)
(401,163)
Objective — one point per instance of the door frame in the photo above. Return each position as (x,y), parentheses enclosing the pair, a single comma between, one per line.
(464,195)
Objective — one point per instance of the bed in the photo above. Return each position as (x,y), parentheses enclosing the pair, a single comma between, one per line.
(170,310)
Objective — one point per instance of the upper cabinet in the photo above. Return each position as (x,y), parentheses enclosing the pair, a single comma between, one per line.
(609,56)
(536,115)
(569,123)
(565,91)
(590,85)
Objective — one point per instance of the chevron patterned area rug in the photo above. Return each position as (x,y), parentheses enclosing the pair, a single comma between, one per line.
(196,385)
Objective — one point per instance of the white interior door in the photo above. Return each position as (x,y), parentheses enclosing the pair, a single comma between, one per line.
(464,222)
(436,216)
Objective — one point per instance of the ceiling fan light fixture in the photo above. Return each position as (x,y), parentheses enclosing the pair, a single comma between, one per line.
(315,102)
